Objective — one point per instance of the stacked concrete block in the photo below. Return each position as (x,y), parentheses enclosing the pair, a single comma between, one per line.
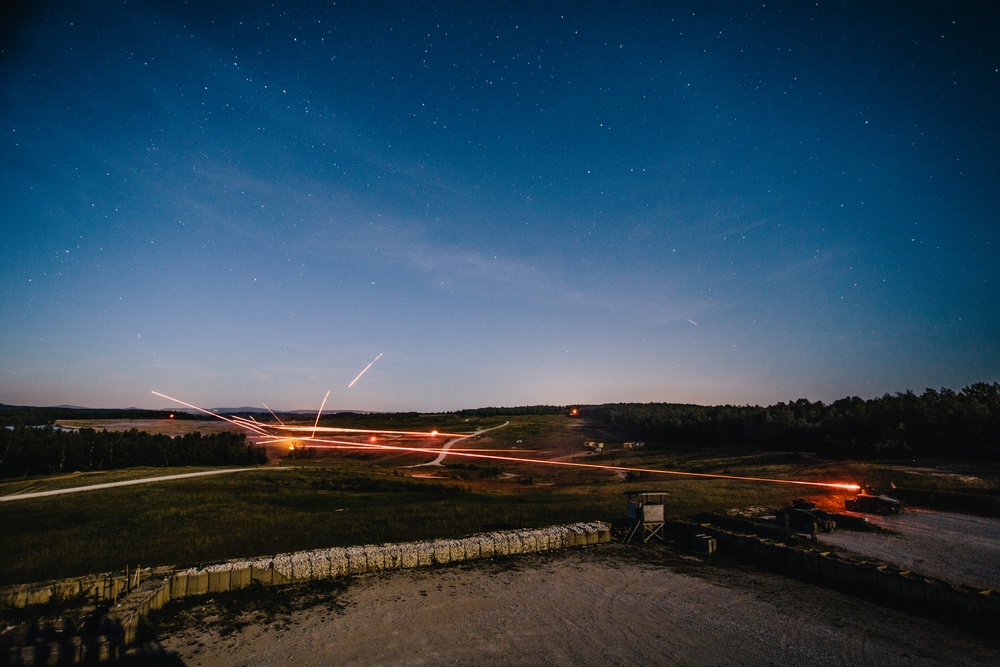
(39,595)
(14,597)
(240,574)
(93,587)
(486,546)
(282,570)
(320,564)
(197,581)
(219,577)
(337,556)
(66,589)
(357,560)
(425,553)
(301,564)
(550,539)
(578,535)
(470,547)
(458,550)
(162,593)
(392,555)
(309,565)
(178,585)
(375,557)
(545,539)
(500,544)
(408,556)
(514,545)
(261,572)
(441,552)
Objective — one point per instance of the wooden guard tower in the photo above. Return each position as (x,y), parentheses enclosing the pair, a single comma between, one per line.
(645,512)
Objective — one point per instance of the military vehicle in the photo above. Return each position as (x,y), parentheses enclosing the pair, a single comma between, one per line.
(802,515)
(871,501)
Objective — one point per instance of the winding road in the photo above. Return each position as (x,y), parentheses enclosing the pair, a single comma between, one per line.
(448,445)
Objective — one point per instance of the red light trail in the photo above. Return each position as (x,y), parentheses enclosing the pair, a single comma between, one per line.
(323,444)
(267,431)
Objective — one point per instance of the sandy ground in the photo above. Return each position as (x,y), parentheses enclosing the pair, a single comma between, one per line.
(955,548)
(597,606)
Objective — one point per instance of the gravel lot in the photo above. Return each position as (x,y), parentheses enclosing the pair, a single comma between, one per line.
(597,606)
(956,548)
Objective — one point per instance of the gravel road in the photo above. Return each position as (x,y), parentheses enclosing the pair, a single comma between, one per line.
(956,548)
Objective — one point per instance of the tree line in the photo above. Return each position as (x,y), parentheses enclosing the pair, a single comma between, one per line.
(15,415)
(514,411)
(29,450)
(936,424)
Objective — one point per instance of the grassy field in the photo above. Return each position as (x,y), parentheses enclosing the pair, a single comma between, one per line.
(338,498)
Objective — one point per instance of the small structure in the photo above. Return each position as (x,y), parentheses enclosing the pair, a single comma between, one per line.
(645,512)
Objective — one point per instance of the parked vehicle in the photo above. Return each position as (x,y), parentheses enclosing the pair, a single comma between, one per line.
(803,516)
(872,502)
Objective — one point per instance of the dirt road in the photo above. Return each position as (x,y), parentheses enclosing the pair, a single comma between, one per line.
(957,548)
(599,606)
(128,482)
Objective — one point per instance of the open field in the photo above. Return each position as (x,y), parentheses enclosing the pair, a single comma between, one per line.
(346,497)
(616,605)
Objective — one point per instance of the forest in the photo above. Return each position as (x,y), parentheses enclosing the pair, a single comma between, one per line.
(30,450)
(936,424)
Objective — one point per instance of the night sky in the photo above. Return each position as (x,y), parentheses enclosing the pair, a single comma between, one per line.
(529,203)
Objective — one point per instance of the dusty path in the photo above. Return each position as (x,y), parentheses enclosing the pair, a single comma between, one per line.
(957,548)
(128,482)
(599,606)
(448,445)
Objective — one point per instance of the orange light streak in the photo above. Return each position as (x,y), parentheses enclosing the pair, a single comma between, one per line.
(366,368)
(341,429)
(242,424)
(320,411)
(595,466)
(321,443)
(272,413)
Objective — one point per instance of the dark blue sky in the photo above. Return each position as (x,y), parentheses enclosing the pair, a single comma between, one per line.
(530,203)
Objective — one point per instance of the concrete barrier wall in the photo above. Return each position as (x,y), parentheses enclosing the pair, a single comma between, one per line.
(160,586)
(905,587)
